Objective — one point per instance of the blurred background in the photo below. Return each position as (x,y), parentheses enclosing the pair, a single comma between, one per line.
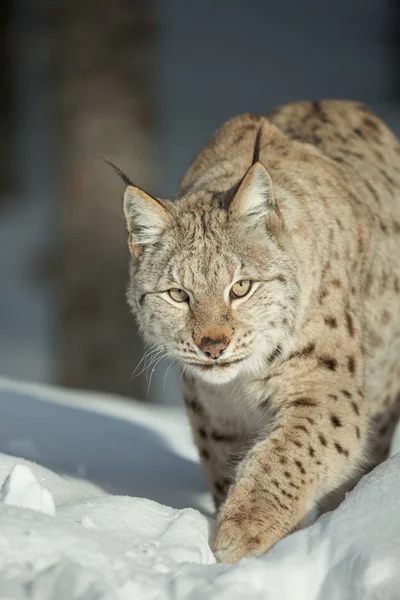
(144,82)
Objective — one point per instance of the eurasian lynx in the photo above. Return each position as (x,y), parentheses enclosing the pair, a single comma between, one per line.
(274,279)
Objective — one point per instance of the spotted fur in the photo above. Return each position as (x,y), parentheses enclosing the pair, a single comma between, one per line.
(304,397)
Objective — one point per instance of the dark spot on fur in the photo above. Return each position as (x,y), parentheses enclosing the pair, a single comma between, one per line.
(323,295)
(331,322)
(351,364)
(335,421)
(373,192)
(265,403)
(283,460)
(217,436)
(297,443)
(358,434)
(328,362)
(309,349)
(383,226)
(202,432)
(349,323)
(255,541)
(219,487)
(383,430)
(355,408)
(358,132)
(204,454)
(346,393)
(275,353)
(301,428)
(287,494)
(333,396)
(322,439)
(371,124)
(194,406)
(340,449)
(142,299)
(283,506)
(311,451)
(304,352)
(299,465)
(317,110)
(387,177)
(351,153)
(304,402)
(287,474)
(336,283)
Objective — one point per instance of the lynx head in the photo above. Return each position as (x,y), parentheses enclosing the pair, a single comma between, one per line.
(213,285)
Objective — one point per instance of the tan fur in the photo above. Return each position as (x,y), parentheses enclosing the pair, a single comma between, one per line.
(312,394)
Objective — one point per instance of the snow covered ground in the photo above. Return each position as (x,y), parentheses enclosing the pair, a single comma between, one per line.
(104,499)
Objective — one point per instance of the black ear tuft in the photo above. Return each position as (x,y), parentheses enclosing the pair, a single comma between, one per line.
(257,146)
(118,171)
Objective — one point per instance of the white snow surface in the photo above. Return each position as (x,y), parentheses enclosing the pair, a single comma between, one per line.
(102,498)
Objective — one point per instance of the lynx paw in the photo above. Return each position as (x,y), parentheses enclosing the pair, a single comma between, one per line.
(232,543)
(245,529)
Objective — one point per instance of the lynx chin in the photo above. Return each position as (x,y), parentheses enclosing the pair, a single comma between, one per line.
(274,279)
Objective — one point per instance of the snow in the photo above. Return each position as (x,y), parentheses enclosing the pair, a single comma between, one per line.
(105,500)
(21,488)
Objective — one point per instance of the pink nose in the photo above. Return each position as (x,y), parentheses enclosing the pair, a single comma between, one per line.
(213,348)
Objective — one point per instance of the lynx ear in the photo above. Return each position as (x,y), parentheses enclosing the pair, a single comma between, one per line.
(146,218)
(254,202)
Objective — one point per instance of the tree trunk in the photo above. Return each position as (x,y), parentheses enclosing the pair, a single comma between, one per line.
(5,100)
(103,68)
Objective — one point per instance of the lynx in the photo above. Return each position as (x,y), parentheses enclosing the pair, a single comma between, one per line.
(274,280)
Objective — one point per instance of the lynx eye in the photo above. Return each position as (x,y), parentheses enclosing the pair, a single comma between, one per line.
(241,288)
(178,295)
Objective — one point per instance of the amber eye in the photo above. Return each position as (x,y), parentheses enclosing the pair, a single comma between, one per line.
(241,288)
(178,295)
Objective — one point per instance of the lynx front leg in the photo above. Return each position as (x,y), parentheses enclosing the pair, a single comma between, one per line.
(219,447)
(316,446)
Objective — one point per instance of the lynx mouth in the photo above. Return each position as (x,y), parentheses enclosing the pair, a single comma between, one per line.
(217,373)
(214,365)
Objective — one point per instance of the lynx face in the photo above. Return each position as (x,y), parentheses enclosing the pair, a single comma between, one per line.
(212,286)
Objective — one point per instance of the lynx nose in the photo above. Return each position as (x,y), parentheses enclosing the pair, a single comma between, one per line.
(213,348)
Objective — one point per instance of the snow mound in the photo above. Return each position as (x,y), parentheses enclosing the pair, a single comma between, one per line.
(94,543)
(63,538)
(21,488)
